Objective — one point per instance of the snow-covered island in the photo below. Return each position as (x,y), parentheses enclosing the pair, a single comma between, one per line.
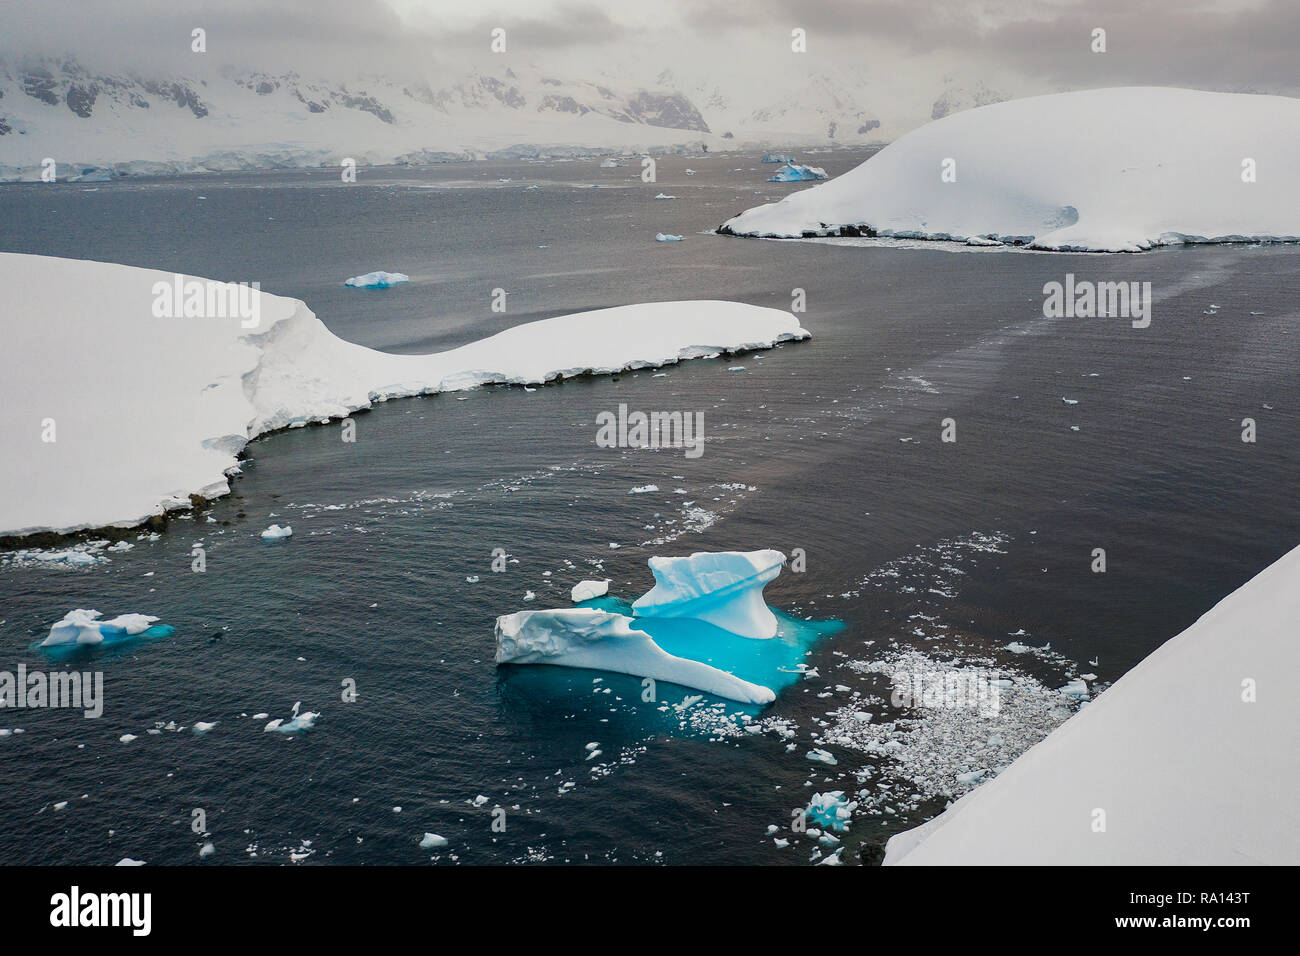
(1191,758)
(126,391)
(1111,170)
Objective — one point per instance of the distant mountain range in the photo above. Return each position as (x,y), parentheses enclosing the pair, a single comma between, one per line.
(96,124)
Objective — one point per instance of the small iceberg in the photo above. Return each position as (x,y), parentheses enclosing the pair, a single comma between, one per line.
(776,158)
(794,173)
(432,841)
(830,810)
(275,532)
(607,641)
(84,627)
(300,721)
(667,237)
(377,280)
(724,588)
(664,196)
(611,164)
(587,590)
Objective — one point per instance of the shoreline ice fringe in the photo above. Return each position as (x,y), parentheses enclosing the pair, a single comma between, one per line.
(723,589)
(209,386)
(1192,763)
(1109,170)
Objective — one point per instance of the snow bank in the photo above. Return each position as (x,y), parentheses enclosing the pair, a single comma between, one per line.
(377,280)
(724,588)
(604,640)
(1106,170)
(162,405)
(1186,769)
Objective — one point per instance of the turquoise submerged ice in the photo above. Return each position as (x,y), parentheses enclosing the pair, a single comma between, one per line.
(83,627)
(703,626)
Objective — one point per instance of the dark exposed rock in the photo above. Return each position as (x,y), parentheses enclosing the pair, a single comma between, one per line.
(81,98)
(39,84)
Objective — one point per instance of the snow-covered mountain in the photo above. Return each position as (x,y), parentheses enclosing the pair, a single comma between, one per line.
(95,122)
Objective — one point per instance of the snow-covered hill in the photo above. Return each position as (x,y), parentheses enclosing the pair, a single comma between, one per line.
(96,122)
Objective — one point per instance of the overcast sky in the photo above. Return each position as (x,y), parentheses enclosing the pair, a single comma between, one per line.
(1019,46)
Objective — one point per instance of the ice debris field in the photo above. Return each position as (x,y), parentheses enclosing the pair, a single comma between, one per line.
(703,625)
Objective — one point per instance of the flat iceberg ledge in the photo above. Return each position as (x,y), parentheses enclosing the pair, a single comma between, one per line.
(724,588)
(1142,173)
(607,641)
(223,385)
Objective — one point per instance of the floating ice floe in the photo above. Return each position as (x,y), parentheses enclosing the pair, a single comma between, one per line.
(1020,172)
(830,810)
(611,164)
(776,158)
(275,532)
(432,841)
(664,196)
(377,280)
(230,378)
(667,237)
(84,627)
(300,721)
(724,588)
(586,590)
(604,640)
(794,173)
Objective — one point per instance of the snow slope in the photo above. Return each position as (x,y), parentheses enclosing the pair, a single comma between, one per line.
(1102,170)
(145,411)
(1186,771)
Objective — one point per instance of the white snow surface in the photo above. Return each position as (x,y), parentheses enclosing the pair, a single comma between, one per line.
(603,640)
(1187,771)
(724,588)
(1118,170)
(149,410)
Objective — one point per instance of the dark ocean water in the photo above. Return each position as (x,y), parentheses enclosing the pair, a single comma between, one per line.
(831,446)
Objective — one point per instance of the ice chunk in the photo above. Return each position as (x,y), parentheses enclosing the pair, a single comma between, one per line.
(377,280)
(777,158)
(275,532)
(794,173)
(586,590)
(84,627)
(433,841)
(667,237)
(603,640)
(830,810)
(724,588)
(817,755)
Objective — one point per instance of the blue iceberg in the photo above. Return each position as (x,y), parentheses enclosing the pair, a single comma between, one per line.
(377,280)
(794,173)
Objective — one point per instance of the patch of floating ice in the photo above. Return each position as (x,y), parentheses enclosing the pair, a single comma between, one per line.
(84,627)
(275,532)
(432,841)
(377,280)
(794,173)
(667,237)
(586,590)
